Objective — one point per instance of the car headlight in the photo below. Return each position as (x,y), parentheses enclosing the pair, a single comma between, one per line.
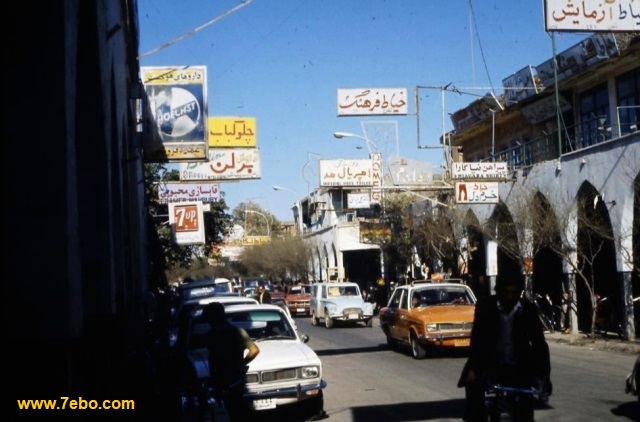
(368,308)
(432,327)
(310,372)
(333,309)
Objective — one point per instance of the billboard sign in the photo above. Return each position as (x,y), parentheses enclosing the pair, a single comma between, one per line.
(519,86)
(410,172)
(477,192)
(177,98)
(358,200)
(227,132)
(480,170)
(187,223)
(185,192)
(591,15)
(224,164)
(356,172)
(579,58)
(372,101)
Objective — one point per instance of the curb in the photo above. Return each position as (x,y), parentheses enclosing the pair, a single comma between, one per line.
(597,343)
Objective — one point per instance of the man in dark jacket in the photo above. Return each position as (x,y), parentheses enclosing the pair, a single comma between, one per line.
(262,295)
(508,347)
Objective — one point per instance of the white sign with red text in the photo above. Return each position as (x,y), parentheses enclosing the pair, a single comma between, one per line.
(187,223)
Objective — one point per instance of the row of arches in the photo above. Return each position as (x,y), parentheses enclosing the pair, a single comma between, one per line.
(580,252)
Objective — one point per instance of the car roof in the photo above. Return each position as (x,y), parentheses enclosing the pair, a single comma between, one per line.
(242,307)
(228,299)
(203,282)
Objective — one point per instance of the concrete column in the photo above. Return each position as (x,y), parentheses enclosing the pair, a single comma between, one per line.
(571,288)
(628,323)
(492,264)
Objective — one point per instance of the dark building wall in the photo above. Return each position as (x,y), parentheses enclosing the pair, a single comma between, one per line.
(75,229)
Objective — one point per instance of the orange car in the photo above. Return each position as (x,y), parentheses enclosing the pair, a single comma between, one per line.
(425,315)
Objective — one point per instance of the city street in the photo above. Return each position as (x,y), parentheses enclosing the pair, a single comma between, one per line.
(369,382)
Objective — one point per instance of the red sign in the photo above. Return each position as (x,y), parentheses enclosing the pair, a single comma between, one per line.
(186,218)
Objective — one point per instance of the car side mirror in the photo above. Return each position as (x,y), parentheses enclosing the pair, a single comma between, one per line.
(304,338)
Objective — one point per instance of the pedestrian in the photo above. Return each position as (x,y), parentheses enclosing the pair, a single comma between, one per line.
(230,352)
(262,295)
(508,347)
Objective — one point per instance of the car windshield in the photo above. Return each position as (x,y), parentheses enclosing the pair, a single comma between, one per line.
(260,325)
(336,291)
(297,290)
(441,296)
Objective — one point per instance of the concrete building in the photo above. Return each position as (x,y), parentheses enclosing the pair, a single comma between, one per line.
(594,158)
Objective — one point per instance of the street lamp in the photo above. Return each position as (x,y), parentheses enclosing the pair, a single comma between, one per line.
(265,219)
(340,135)
(297,203)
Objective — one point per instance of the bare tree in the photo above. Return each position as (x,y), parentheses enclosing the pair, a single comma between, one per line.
(444,234)
(282,259)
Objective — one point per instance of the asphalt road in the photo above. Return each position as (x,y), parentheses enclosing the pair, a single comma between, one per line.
(369,382)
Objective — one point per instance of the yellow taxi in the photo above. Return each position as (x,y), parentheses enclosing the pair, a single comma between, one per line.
(428,314)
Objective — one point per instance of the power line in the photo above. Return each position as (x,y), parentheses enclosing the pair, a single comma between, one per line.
(193,31)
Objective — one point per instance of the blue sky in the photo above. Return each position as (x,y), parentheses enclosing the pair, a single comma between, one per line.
(282,62)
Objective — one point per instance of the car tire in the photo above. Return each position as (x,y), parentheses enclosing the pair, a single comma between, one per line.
(418,351)
(369,322)
(328,321)
(314,319)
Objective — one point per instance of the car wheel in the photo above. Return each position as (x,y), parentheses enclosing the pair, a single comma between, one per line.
(369,322)
(328,321)
(314,319)
(417,350)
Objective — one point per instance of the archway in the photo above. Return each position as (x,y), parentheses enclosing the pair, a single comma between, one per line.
(476,261)
(547,263)
(596,262)
(502,229)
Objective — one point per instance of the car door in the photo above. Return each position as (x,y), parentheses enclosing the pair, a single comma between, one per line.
(403,322)
(390,315)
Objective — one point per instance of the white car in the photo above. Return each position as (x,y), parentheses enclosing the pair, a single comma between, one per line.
(286,374)
(339,301)
(192,309)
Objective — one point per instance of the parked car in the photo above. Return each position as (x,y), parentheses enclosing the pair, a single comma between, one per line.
(286,375)
(298,298)
(279,301)
(632,383)
(441,316)
(169,353)
(195,290)
(192,308)
(339,301)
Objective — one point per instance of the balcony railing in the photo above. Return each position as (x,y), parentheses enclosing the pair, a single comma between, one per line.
(572,138)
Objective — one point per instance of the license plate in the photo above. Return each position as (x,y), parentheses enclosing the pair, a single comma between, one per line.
(263,404)
(301,310)
(354,316)
(462,342)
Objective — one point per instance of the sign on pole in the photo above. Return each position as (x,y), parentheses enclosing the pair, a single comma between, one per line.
(187,223)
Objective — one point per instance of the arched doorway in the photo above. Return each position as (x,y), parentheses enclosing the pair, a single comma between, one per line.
(597,272)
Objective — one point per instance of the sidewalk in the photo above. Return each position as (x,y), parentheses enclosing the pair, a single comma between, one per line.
(599,342)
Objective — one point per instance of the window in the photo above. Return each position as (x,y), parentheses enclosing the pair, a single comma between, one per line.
(516,153)
(594,105)
(404,301)
(628,92)
(395,299)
